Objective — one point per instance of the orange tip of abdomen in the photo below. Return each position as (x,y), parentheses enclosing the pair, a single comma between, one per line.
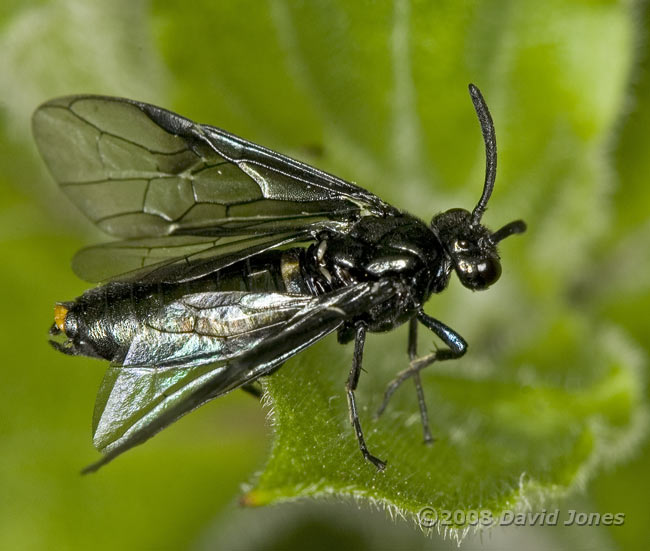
(60,313)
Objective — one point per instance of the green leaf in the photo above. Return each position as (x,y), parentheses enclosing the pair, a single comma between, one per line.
(503,437)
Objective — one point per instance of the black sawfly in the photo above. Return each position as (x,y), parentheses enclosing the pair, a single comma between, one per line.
(232,258)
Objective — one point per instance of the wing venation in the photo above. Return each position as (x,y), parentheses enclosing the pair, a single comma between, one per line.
(137,170)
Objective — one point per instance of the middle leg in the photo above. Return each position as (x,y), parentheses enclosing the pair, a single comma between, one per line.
(456,348)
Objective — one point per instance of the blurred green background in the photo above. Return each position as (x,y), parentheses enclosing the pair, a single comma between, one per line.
(376,93)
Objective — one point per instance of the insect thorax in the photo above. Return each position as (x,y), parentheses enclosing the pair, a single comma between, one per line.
(399,247)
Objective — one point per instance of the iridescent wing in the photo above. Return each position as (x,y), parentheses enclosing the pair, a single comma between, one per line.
(137,170)
(207,344)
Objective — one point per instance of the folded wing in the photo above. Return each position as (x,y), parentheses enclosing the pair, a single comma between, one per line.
(209,344)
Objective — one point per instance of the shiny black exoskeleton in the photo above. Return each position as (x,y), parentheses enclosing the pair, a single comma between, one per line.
(187,315)
(422,258)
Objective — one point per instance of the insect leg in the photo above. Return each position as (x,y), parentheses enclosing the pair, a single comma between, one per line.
(456,343)
(457,347)
(424,414)
(351,385)
(254,389)
(412,351)
(403,375)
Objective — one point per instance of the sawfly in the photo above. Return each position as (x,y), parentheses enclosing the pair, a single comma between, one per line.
(232,258)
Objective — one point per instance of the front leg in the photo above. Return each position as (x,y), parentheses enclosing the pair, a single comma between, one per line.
(456,343)
(456,348)
(351,385)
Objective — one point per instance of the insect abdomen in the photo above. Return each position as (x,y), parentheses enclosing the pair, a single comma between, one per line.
(104,321)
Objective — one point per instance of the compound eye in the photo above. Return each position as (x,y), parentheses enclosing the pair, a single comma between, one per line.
(489,271)
(479,275)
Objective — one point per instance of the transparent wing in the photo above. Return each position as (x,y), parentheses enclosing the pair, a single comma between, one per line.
(208,344)
(174,258)
(137,170)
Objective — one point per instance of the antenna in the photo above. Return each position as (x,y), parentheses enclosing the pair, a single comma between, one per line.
(518,226)
(489,137)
